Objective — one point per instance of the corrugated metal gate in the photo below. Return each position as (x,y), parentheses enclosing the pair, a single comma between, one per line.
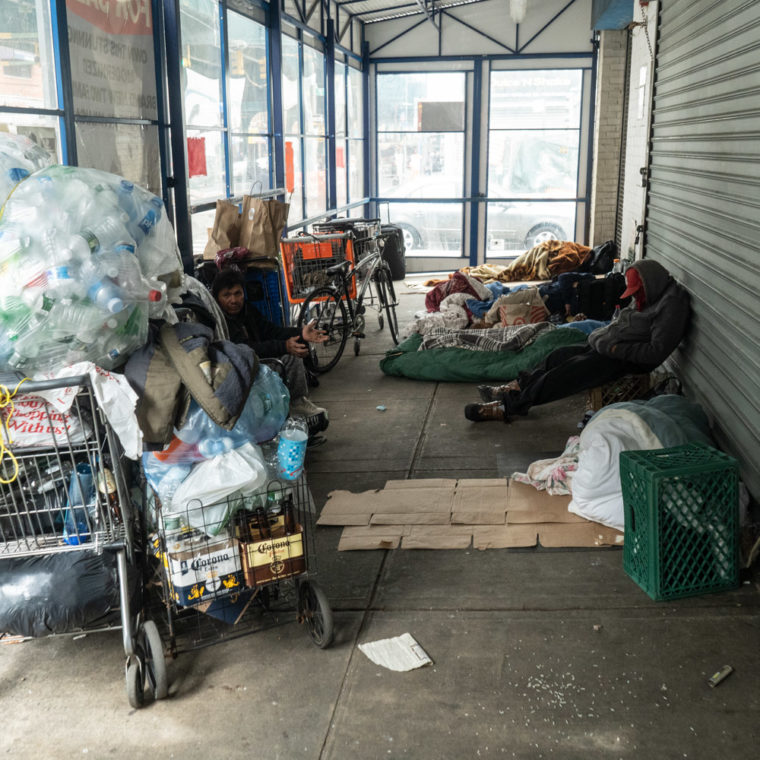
(703,206)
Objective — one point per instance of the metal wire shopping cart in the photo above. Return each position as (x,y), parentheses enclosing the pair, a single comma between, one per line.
(66,517)
(240,565)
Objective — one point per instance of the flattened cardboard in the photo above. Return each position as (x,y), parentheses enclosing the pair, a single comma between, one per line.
(412,500)
(482,483)
(523,517)
(504,536)
(412,518)
(478,517)
(483,498)
(343,518)
(438,537)
(345,502)
(382,537)
(421,483)
(585,534)
(523,497)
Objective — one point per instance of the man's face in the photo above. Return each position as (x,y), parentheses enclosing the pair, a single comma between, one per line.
(231,299)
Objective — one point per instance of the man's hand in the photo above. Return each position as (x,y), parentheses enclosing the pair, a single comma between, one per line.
(294,346)
(312,334)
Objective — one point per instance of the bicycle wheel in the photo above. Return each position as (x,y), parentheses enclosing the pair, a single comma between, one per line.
(387,297)
(326,307)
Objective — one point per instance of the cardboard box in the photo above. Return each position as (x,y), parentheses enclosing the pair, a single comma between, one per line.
(202,570)
(271,559)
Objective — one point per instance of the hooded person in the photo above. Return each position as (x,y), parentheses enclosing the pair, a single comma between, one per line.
(289,345)
(646,332)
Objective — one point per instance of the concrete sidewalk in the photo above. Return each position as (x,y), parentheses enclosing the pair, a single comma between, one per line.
(536,653)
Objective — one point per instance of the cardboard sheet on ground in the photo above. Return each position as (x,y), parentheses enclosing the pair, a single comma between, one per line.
(400,653)
(440,513)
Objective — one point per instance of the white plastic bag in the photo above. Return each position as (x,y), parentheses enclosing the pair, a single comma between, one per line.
(203,494)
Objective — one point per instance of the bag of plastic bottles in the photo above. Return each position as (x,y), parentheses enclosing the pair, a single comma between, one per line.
(86,258)
(19,157)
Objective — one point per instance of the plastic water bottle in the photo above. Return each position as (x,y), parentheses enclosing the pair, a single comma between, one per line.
(76,523)
(291,449)
(81,319)
(212,447)
(107,234)
(107,295)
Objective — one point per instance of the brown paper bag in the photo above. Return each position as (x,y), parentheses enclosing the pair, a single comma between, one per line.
(226,230)
(262,224)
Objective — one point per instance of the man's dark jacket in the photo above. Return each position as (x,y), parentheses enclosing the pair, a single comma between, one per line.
(266,338)
(647,337)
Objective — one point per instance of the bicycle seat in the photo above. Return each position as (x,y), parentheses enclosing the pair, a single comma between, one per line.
(341,268)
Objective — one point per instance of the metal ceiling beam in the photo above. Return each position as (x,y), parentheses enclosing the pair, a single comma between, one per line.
(423,6)
(311,10)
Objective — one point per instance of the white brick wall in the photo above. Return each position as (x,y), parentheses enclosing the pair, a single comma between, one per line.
(607,135)
(640,101)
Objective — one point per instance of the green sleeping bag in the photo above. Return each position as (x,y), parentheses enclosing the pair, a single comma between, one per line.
(461,365)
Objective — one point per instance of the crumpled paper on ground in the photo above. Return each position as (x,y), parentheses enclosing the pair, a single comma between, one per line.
(400,653)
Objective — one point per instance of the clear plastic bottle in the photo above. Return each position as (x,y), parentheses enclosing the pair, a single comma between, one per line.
(106,294)
(81,319)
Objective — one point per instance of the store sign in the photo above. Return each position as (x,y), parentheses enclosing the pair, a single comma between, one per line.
(112,62)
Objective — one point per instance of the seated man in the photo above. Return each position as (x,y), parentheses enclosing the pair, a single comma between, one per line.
(270,341)
(640,339)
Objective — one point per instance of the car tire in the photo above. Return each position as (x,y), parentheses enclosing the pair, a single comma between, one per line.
(542,232)
(412,238)
(394,250)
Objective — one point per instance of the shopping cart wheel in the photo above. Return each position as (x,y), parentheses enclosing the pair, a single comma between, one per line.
(314,610)
(135,678)
(357,346)
(155,663)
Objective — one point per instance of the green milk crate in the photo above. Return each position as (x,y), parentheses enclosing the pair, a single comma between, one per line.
(681,520)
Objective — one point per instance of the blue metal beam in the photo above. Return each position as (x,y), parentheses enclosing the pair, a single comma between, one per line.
(547,24)
(183,229)
(332,187)
(62,57)
(225,59)
(275,80)
(477,107)
(478,31)
(366,114)
(398,36)
(163,146)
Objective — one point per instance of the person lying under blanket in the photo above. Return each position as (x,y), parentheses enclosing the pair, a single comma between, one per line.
(644,335)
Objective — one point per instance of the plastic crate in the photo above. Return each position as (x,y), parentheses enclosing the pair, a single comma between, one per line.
(306,259)
(264,292)
(626,388)
(681,520)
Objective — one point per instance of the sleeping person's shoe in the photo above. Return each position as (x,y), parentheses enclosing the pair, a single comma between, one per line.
(495,392)
(493,411)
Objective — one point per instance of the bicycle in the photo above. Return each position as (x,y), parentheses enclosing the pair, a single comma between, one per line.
(340,316)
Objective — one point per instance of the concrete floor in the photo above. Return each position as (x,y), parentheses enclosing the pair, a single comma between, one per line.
(537,653)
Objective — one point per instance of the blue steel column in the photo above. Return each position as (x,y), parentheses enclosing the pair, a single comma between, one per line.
(365,108)
(475,205)
(225,116)
(158,62)
(182,229)
(61,55)
(332,186)
(591,128)
(275,62)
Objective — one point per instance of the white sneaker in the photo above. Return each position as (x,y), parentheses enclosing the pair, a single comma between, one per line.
(305,407)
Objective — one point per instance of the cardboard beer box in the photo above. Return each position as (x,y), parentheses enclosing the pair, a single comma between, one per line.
(271,559)
(202,570)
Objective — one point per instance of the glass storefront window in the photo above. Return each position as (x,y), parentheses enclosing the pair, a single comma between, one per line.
(514,227)
(248,99)
(291,99)
(429,229)
(356,169)
(205,166)
(250,163)
(315,167)
(27,69)
(201,62)
(424,102)
(429,165)
(355,104)
(340,99)
(313,91)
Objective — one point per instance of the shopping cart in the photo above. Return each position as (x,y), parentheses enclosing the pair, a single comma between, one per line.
(66,516)
(306,259)
(240,565)
(365,233)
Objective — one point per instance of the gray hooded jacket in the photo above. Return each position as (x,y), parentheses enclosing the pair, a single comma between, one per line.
(649,336)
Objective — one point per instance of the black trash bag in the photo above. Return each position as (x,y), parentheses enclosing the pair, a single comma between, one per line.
(56,593)
(603,257)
